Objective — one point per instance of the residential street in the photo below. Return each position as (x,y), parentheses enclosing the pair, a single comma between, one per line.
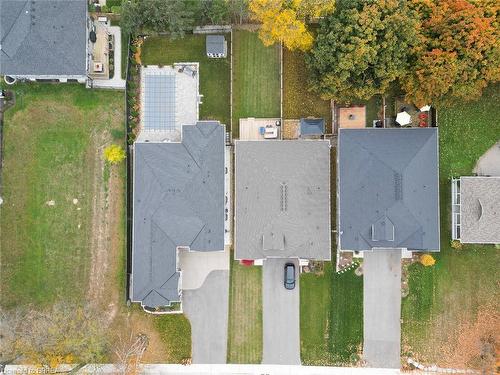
(281,310)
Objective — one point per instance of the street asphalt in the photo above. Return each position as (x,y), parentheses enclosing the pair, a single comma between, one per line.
(280,315)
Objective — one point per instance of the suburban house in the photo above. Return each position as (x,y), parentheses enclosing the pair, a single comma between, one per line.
(282,200)
(388,189)
(216,46)
(476,209)
(179,185)
(44,40)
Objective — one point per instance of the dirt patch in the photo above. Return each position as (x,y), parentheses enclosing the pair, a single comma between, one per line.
(101,247)
(474,343)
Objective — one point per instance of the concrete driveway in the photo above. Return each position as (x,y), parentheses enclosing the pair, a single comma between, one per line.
(207,310)
(382,308)
(489,163)
(280,315)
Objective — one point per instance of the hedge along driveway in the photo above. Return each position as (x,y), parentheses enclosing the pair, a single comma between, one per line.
(256,78)
(214,73)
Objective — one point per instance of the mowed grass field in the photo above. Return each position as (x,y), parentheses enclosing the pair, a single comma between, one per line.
(50,145)
(298,101)
(256,78)
(214,73)
(245,314)
(331,317)
(444,300)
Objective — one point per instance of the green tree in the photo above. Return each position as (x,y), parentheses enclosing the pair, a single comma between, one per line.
(459,51)
(362,48)
(215,12)
(174,16)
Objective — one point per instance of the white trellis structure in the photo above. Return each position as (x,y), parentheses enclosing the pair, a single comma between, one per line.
(455,208)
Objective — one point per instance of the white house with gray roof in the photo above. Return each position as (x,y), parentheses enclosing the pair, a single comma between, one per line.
(476,209)
(388,189)
(282,200)
(43,39)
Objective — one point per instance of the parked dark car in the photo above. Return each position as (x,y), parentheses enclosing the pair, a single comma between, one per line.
(289,276)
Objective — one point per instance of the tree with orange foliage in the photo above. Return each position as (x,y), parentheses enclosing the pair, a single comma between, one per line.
(285,21)
(459,51)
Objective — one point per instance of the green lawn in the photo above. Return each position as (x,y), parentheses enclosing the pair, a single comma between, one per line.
(298,101)
(175,332)
(462,281)
(214,73)
(50,147)
(256,78)
(245,314)
(331,317)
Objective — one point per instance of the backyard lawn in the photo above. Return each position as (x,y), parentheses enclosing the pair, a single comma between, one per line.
(62,221)
(245,314)
(214,73)
(440,315)
(331,317)
(298,101)
(256,78)
(51,142)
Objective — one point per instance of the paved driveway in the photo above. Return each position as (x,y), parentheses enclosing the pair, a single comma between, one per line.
(207,310)
(382,308)
(280,315)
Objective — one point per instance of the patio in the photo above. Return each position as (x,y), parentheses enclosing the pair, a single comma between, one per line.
(418,118)
(260,129)
(352,117)
(291,129)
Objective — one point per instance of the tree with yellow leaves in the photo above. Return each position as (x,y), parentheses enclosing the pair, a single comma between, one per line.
(114,154)
(285,20)
(427,260)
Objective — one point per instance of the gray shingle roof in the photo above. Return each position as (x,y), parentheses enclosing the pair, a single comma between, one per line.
(312,126)
(43,37)
(388,189)
(178,201)
(480,209)
(215,44)
(282,199)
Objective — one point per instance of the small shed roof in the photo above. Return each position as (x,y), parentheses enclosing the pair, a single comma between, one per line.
(480,209)
(312,126)
(215,44)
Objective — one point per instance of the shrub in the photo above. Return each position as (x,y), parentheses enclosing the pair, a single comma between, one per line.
(114,154)
(104,9)
(116,9)
(456,244)
(113,3)
(427,260)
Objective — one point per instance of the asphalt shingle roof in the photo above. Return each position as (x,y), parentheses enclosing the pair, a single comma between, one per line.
(312,126)
(178,201)
(43,37)
(480,209)
(282,199)
(388,189)
(215,44)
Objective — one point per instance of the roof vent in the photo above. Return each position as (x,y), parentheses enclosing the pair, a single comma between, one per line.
(398,186)
(283,197)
